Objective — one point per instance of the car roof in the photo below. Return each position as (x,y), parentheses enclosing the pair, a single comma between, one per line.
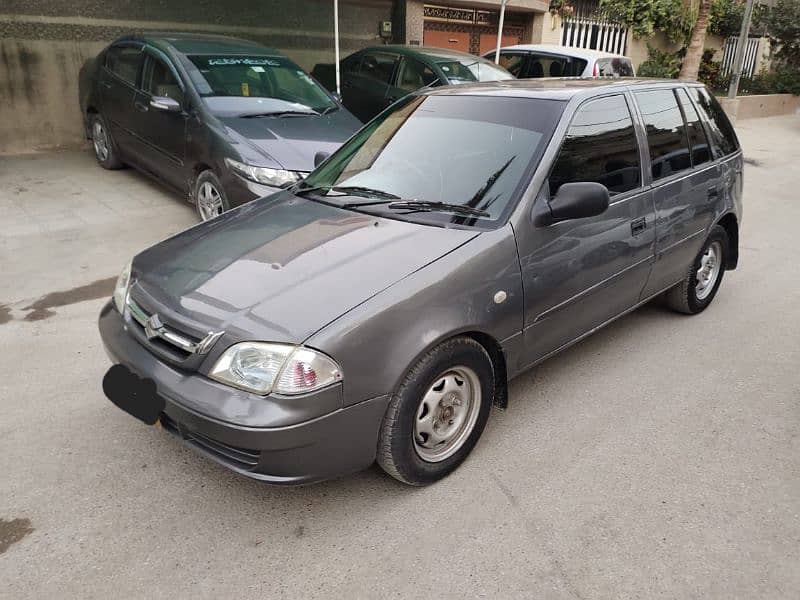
(564,50)
(429,52)
(197,43)
(553,88)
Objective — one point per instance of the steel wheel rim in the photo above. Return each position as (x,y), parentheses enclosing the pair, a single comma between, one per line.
(209,201)
(100,140)
(708,273)
(447,414)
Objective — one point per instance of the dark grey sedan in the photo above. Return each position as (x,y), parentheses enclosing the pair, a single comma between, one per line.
(378,309)
(221,119)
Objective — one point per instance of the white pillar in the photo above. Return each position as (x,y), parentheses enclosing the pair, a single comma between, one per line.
(500,31)
(336,45)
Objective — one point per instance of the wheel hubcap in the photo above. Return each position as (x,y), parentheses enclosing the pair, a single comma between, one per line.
(447,414)
(708,273)
(100,140)
(209,201)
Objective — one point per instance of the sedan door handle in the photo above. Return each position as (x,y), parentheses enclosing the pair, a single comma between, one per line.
(638,225)
(141,107)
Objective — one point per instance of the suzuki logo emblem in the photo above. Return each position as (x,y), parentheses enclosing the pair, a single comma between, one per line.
(153,327)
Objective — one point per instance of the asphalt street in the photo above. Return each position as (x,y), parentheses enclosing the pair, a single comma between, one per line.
(658,458)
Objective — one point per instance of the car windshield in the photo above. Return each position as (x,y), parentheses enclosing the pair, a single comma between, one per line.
(457,159)
(257,77)
(469,70)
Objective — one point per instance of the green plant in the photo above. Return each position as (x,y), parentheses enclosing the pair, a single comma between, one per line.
(645,17)
(782,23)
(665,65)
(782,80)
(726,17)
(710,72)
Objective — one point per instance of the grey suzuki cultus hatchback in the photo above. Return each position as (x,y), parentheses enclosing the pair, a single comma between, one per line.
(376,310)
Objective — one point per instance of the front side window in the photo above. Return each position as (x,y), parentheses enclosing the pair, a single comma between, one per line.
(378,66)
(666,134)
(548,65)
(476,152)
(600,146)
(124,61)
(513,62)
(272,77)
(720,128)
(414,75)
(158,80)
(698,143)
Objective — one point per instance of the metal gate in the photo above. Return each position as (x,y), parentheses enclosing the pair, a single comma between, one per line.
(594,35)
(751,53)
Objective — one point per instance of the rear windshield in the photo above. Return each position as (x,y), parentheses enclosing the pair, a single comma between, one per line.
(614,67)
(471,70)
(257,77)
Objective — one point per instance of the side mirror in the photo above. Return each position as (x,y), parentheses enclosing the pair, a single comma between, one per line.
(320,157)
(575,201)
(165,103)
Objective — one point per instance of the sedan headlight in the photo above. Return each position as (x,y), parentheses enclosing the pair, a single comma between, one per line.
(121,289)
(262,368)
(264,175)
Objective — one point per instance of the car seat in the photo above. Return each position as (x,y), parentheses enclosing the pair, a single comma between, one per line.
(555,69)
(537,70)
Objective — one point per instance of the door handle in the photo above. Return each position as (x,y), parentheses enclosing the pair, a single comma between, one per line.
(638,225)
(141,107)
(713,193)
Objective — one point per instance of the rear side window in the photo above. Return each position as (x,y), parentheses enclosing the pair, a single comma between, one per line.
(666,134)
(614,67)
(547,65)
(719,127)
(513,62)
(698,143)
(600,146)
(124,62)
(379,67)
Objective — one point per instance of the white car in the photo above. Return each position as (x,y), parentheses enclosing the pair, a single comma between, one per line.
(542,60)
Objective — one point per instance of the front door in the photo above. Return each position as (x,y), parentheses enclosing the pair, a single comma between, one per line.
(579,274)
(365,90)
(161,135)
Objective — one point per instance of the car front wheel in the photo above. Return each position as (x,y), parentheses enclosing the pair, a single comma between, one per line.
(209,196)
(105,150)
(700,285)
(437,415)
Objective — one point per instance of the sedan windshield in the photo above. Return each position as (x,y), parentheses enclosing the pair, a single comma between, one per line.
(440,159)
(258,77)
(471,70)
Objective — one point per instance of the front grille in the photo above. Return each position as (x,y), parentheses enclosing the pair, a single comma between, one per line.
(232,455)
(175,344)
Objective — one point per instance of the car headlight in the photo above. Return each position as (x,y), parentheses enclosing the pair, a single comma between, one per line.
(261,368)
(121,289)
(264,175)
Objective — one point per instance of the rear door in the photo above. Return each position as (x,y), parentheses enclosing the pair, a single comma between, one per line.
(365,90)
(117,80)
(161,136)
(579,274)
(685,182)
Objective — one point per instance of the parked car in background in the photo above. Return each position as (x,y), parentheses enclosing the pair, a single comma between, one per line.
(374,78)
(542,60)
(222,119)
(376,310)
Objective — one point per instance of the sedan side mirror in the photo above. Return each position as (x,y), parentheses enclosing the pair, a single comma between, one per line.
(575,201)
(165,103)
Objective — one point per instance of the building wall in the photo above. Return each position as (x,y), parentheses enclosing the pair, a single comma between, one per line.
(43,44)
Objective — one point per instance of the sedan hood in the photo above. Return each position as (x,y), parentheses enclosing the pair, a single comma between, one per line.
(291,142)
(281,268)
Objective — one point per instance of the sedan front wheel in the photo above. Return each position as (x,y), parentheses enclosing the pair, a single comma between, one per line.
(209,196)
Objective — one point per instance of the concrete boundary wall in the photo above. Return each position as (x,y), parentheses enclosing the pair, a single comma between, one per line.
(757,106)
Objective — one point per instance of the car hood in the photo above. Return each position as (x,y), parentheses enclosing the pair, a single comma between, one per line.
(281,268)
(290,142)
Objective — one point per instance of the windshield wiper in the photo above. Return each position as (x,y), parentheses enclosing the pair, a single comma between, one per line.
(329,110)
(347,190)
(279,113)
(425,206)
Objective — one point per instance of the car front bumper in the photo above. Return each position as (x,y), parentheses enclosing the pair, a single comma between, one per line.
(338,442)
(240,191)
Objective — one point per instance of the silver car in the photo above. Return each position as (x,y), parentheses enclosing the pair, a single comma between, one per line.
(377,310)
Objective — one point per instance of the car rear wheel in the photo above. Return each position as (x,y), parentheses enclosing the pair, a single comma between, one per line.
(105,151)
(698,288)
(209,196)
(438,413)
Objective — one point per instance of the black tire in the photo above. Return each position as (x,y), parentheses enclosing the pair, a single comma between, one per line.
(684,297)
(397,451)
(208,182)
(103,144)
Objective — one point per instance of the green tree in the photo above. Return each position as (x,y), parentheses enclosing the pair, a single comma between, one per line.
(782,23)
(697,41)
(645,17)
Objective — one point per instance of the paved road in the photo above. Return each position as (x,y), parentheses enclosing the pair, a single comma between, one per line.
(661,457)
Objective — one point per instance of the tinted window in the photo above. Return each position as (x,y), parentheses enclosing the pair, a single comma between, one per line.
(512,62)
(720,128)
(614,67)
(124,61)
(414,75)
(666,134)
(379,67)
(468,150)
(545,65)
(468,70)
(159,81)
(698,142)
(600,146)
